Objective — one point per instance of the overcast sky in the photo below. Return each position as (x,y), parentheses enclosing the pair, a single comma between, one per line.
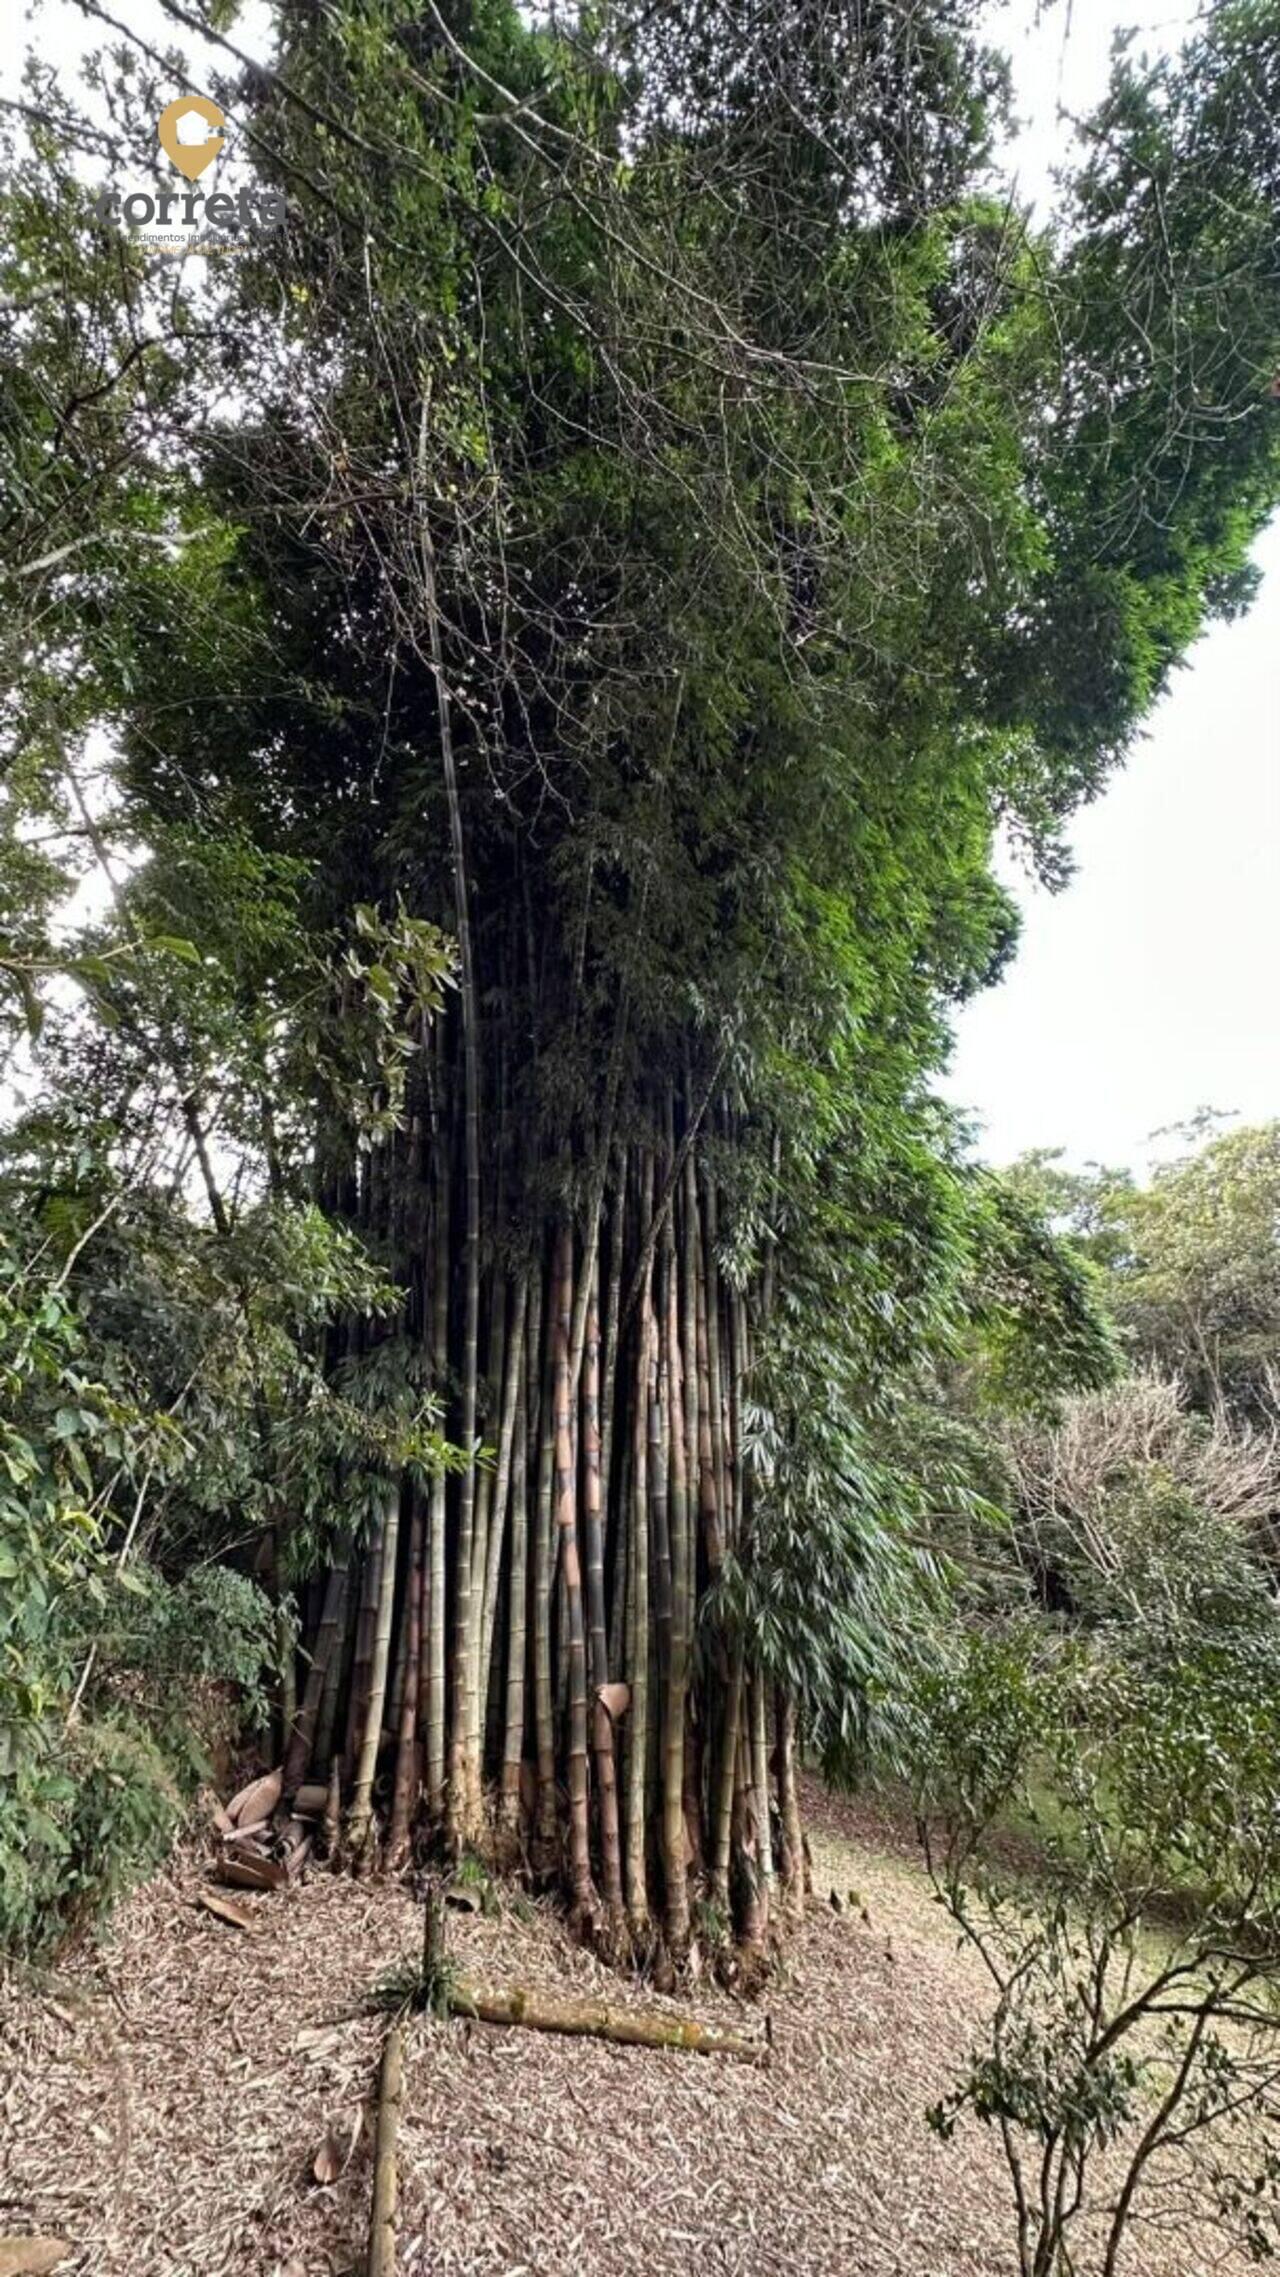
(1149,987)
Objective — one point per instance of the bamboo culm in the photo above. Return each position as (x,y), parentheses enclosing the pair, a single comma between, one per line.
(507,1657)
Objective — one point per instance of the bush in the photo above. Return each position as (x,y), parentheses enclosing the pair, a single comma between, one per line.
(1131,1507)
(113,1679)
(1138,1981)
(93,1814)
(91,1796)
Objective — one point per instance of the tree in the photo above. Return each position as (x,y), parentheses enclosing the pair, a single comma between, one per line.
(642,511)
(1190,1262)
(1201,1290)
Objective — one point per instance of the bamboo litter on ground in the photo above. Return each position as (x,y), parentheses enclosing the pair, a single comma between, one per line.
(162,2102)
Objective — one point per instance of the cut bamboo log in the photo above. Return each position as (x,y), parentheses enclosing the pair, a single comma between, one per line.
(241,1837)
(593,2019)
(296,1856)
(382,2221)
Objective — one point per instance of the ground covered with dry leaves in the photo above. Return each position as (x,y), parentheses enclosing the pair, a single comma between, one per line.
(164,2099)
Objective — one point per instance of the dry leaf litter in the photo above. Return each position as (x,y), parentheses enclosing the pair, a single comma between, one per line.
(168,2099)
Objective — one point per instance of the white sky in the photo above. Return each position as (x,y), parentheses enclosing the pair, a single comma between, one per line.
(1148,988)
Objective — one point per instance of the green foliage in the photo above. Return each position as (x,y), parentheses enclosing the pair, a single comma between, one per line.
(108,1676)
(1039,1312)
(163,1391)
(1190,1261)
(1137,1978)
(92,1795)
(81,1821)
(668,412)
(393,975)
(1200,1287)
(212,1626)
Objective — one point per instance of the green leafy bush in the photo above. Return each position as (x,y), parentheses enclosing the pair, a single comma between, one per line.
(92,1801)
(1136,1971)
(114,1680)
(93,1813)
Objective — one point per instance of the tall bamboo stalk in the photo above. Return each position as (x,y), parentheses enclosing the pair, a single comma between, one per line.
(715,1362)
(543,1703)
(760,1793)
(638,1591)
(360,1816)
(366,1621)
(611,1307)
(602,1722)
(404,1793)
(336,1677)
(675,1878)
(517,1601)
(584,1896)
(513,1377)
(793,1867)
(463,1794)
(328,1646)
(722,1825)
(437,1552)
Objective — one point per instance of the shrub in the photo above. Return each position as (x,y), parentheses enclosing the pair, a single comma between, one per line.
(1137,1982)
(1132,1507)
(113,1678)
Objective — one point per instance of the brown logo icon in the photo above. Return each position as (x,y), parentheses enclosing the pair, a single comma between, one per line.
(191,158)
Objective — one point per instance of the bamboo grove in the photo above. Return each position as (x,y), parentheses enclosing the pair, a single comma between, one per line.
(535,1654)
(635,533)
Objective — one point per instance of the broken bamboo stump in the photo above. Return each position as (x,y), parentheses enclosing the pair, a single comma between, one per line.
(382,2222)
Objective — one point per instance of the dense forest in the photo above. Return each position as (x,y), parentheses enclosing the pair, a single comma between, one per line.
(515,669)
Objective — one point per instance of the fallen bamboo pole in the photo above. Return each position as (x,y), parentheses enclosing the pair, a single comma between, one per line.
(382,2223)
(629,2027)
